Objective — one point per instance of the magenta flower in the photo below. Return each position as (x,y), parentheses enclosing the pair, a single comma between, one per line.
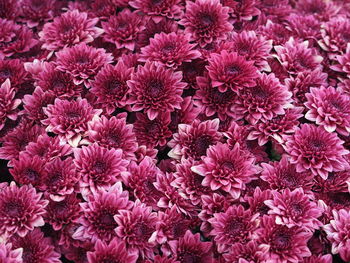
(235,225)
(115,251)
(305,27)
(244,10)
(128,25)
(155,89)
(257,199)
(98,167)
(8,103)
(82,61)
(245,253)
(34,12)
(206,21)
(343,65)
(294,208)
(231,71)
(9,255)
(71,28)
(22,209)
(69,119)
(226,169)
(13,69)
(277,32)
(170,50)
(9,9)
(311,147)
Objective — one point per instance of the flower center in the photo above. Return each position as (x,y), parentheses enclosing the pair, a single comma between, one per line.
(316,144)
(235,227)
(232,70)
(281,241)
(5,73)
(188,257)
(60,209)
(155,88)
(114,86)
(201,144)
(227,166)
(107,221)
(259,92)
(168,48)
(99,167)
(297,209)
(143,231)
(83,59)
(113,139)
(207,20)
(31,175)
(14,209)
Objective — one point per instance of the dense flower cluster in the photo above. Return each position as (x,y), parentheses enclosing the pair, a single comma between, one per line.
(174,131)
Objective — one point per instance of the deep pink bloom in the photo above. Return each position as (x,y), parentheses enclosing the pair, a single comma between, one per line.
(110,88)
(244,10)
(190,249)
(336,182)
(34,12)
(311,147)
(135,228)
(82,61)
(69,119)
(323,11)
(155,90)
(98,167)
(193,140)
(245,253)
(114,251)
(9,255)
(206,21)
(343,65)
(294,208)
(13,69)
(305,27)
(158,9)
(319,259)
(36,247)
(8,9)
(235,225)
(71,28)
(277,32)
(283,244)
(231,71)
(256,201)
(170,50)
(22,209)
(8,103)
(226,169)
(122,29)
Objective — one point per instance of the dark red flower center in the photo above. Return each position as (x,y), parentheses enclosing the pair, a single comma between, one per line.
(259,92)
(143,231)
(296,209)
(105,221)
(189,257)
(233,70)
(157,2)
(31,175)
(114,86)
(5,73)
(234,227)
(168,48)
(281,240)
(99,167)
(316,144)
(155,88)
(14,209)
(113,139)
(72,115)
(227,166)
(61,209)
(207,20)
(201,144)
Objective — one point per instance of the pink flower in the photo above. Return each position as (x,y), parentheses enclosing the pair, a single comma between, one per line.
(9,255)
(283,244)
(9,9)
(226,169)
(158,9)
(256,201)
(110,88)
(135,228)
(98,167)
(82,62)
(206,21)
(343,65)
(155,89)
(235,225)
(277,32)
(191,249)
(338,232)
(123,29)
(305,27)
(336,182)
(311,147)
(13,70)
(319,259)
(71,28)
(69,119)
(245,253)
(22,209)
(294,208)
(265,100)
(34,12)
(170,50)
(115,251)
(8,103)
(244,10)
(318,8)
(231,71)
(193,140)
(97,221)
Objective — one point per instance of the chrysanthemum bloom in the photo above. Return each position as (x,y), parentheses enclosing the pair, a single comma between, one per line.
(78,254)
(188,183)
(28,170)
(115,251)
(212,101)
(336,182)
(206,21)
(313,148)
(319,259)
(294,208)
(82,62)
(61,213)
(69,119)
(152,132)
(191,249)
(170,50)
(110,88)
(283,244)
(34,12)
(21,209)
(277,127)
(135,228)
(305,27)
(36,247)
(245,253)
(8,103)
(263,101)
(329,108)
(13,69)
(122,29)
(193,140)
(283,175)
(226,169)
(100,8)
(256,201)
(155,90)
(71,28)
(235,225)
(244,10)
(322,10)
(9,255)
(253,47)
(277,32)
(276,9)
(141,179)
(8,9)
(343,65)
(231,71)
(159,9)
(98,167)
